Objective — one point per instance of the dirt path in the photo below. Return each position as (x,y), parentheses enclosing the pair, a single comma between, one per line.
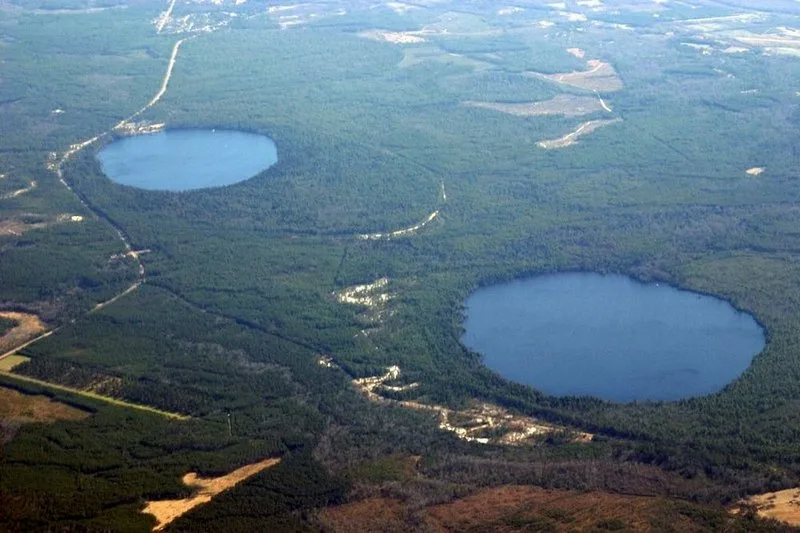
(13,194)
(165,17)
(603,103)
(110,301)
(167,511)
(167,75)
(57,165)
(401,232)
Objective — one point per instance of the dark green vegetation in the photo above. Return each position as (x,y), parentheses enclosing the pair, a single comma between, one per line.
(6,325)
(237,306)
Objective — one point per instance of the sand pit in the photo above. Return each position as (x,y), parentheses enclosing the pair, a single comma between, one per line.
(372,295)
(572,137)
(396,37)
(564,104)
(28,326)
(755,171)
(600,76)
(783,505)
(167,511)
(481,422)
(577,52)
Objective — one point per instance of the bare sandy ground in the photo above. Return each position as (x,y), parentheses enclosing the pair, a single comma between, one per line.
(471,424)
(28,326)
(164,18)
(564,104)
(783,505)
(396,37)
(600,76)
(572,137)
(167,511)
(371,295)
(577,52)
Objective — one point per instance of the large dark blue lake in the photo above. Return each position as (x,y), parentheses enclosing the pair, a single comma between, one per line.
(180,160)
(610,337)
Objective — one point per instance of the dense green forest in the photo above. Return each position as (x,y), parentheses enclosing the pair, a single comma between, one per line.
(237,303)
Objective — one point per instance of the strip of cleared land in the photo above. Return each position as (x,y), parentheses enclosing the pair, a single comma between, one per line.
(600,77)
(92,395)
(19,192)
(400,232)
(564,104)
(167,511)
(571,138)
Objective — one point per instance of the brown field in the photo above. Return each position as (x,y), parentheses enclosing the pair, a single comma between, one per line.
(783,505)
(28,326)
(372,514)
(513,508)
(18,408)
(564,104)
(167,511)
(600,77)
(572,137)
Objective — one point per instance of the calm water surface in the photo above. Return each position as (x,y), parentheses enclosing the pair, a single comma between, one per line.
(180,160)
(610,337)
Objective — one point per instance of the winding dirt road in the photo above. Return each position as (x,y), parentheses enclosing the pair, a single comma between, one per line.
(58,167)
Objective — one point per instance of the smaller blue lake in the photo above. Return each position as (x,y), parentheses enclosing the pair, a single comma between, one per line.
(610,337)
(181,160)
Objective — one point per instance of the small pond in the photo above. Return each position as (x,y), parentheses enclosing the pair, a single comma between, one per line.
(181,160)
(610,337)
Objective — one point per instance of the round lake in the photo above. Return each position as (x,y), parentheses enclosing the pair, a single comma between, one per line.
(610,337)
(180,160)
